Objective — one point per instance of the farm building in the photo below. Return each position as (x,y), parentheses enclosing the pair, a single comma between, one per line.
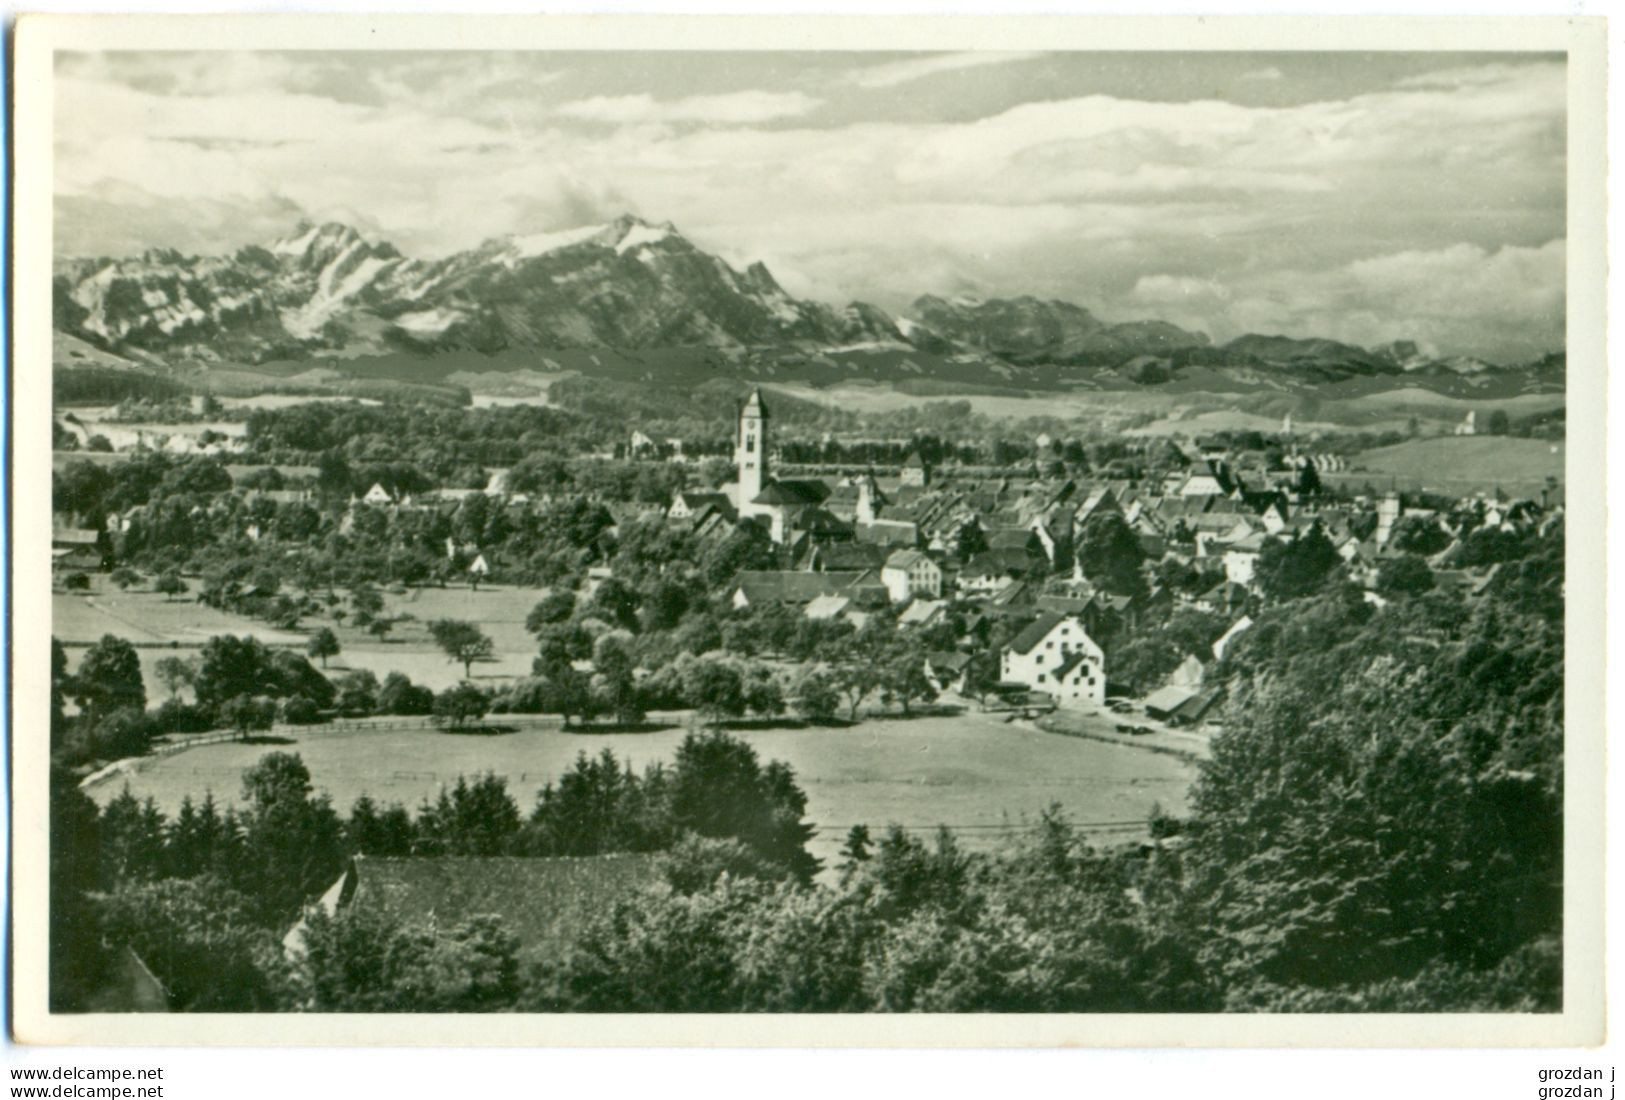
(542,902)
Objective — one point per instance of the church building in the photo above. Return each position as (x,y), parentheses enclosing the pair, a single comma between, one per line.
(785,504)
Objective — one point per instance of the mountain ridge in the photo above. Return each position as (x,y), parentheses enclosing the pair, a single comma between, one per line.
(326,290)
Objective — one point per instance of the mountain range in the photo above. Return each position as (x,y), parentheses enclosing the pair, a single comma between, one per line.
(327,293)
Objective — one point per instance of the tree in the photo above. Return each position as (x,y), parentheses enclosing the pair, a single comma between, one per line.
(1299,567)
(903,676)
(199,937)
(400,696)
(551,609)
(763,695)
(358,693)
(293,842)
(248,713)
(1110,555)
(366,960)
(462,642)
(323,644)
(169,583)
(124,577)
(379,628)
(1498,423)
(457,706)
(75,862)
(715,689)
(175,673)
(814,696)
(109,679)
(366,603)
(720,789)
(1404,575)
(229,666)
(76,582)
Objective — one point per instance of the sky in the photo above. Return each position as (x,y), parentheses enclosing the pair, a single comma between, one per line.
(1361,197)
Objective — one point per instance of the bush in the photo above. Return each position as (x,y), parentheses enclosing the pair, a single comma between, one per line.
(300,710)
(400,696)
(174,716)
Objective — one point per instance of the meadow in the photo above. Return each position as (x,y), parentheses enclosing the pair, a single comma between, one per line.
(164,628)
(1459,465)
(981,776)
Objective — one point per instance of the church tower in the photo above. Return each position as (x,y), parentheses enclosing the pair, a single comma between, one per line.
(750,450)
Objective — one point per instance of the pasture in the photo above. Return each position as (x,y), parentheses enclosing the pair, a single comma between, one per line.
(162,628)
(975,773)
(1463,464)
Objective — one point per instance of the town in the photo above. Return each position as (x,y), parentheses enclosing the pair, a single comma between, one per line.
(442,588)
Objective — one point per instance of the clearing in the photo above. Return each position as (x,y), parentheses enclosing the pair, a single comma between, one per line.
(975,773)
(1464,464)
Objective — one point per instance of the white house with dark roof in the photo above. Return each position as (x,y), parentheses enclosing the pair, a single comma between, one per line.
(1055,655)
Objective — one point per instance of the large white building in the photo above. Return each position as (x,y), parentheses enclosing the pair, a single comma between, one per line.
(1055,655)
(909,573)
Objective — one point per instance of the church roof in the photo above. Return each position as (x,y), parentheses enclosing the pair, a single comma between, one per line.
(780,491)
(754,405)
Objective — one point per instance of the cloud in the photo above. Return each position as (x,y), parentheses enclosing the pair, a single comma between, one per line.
(902,72)
(1504,304)
(731,108)
(1387,206)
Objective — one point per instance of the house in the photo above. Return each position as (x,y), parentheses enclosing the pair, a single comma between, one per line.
(1188,674)
(1241,558)
(922,613)
(377,495)
(823,608)
(688,505)
(1161,704)
(992,571)
(915,471)
(946,670)
(128,985)
(543,903)
(1055,655)
(1197,708)
(909,573)
(888,532)
(77,548)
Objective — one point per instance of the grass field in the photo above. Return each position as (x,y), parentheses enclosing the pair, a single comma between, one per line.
(163,628)
(1463,464)
(972,772)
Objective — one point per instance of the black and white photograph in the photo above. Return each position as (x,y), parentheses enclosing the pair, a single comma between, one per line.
(710,527)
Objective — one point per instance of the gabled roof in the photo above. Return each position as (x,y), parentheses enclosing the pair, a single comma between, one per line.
(800,588)
(906,559)
(1168,699)
(542,902)
(921,611)
(826,607)
(1035,632)
(782,491)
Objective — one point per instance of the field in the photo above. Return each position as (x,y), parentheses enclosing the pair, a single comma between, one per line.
(1462,464)
(974,773)
(162,628)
